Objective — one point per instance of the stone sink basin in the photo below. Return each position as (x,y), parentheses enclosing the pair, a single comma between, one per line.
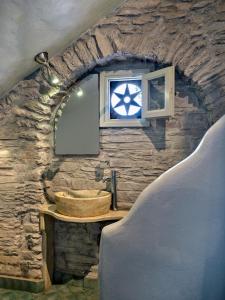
(83,203)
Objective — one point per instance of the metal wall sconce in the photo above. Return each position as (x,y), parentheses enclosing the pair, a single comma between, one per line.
(42,59)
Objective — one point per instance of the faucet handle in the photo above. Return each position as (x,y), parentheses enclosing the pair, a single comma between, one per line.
(106,179)
(104,164)
(99,170)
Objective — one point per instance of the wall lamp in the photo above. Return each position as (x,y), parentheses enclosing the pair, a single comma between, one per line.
(42,59)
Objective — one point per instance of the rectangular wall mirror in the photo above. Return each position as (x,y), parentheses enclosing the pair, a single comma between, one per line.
(78,128)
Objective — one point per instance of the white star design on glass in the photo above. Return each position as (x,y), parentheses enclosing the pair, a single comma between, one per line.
(126,99)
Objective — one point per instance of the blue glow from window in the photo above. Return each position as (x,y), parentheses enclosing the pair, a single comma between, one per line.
(126,99)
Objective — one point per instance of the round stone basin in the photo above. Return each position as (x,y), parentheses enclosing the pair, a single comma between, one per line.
(83,203)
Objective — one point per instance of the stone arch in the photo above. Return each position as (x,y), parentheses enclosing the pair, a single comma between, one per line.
(183,34)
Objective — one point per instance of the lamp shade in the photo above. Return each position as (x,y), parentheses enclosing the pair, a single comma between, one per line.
(41,58)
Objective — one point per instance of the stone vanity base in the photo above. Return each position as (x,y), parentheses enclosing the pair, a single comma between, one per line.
(53,254)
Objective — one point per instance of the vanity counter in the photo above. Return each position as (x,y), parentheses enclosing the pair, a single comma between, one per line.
(50,209)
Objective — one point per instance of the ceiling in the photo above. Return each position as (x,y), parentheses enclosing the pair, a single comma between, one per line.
(30,26)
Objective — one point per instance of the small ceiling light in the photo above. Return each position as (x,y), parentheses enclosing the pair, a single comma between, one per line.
(54,80)
(42,59)
(79,92)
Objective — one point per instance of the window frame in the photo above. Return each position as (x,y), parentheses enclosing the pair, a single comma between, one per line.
(169,74)
(105,78)
(143,75)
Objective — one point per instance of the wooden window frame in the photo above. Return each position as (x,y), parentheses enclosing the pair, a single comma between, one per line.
(169,74)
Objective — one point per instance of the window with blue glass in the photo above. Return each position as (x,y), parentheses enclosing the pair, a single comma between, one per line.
(125,99)
(130,98)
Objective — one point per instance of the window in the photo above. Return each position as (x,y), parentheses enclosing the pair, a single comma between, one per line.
(127,98)
(158,93)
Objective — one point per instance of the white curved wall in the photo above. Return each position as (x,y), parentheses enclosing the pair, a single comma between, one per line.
(172,243)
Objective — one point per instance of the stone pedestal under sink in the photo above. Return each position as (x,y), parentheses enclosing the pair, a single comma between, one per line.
(83,203)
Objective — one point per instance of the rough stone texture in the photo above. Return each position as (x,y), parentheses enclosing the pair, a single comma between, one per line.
(187,34)
(76,247)
(139,155)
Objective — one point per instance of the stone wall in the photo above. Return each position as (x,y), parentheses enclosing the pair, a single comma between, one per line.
(139,155)
(187,34)
(76,247)
(20,189)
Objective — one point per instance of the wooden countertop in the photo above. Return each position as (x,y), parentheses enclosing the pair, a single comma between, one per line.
(50,209)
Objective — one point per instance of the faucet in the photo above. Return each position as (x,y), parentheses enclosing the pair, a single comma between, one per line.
(112,181)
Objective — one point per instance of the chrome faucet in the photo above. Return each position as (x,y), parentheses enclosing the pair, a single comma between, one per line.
(112,181)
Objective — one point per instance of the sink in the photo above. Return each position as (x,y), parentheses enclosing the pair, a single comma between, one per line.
(83,203)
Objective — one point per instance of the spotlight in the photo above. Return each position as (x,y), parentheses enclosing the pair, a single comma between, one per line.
(79,92)
(54,80)
(42,59)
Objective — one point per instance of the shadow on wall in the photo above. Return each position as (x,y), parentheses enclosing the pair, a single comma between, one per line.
(157,133)
(189,117)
